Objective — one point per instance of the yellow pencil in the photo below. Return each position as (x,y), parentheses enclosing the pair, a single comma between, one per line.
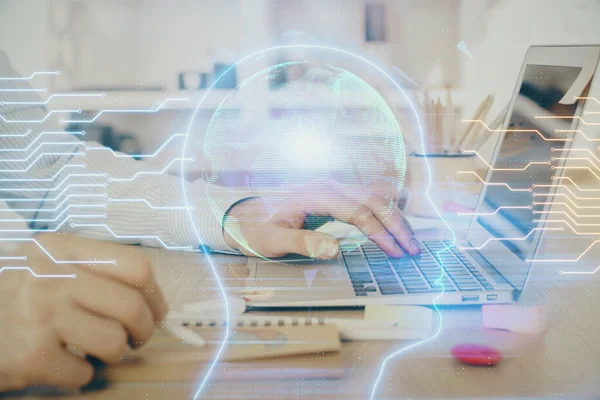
(494,125)
(450,128)
(479,128)
(479,114)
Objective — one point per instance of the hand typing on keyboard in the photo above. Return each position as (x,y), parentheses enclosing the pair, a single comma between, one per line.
(273,227)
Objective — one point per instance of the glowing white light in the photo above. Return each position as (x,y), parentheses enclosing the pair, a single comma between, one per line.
(307,148)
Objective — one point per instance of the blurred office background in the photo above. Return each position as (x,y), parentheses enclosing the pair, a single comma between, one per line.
(142,51)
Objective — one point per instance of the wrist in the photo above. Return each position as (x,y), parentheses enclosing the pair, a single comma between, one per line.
(231,224)
(9,384)
(229,240)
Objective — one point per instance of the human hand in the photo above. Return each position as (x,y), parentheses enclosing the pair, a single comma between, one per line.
(99,313)
(273,227)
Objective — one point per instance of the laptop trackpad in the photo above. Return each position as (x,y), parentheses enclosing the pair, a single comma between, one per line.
(302,272)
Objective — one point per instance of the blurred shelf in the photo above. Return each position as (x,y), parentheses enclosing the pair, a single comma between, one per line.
(136,100)
(188,100)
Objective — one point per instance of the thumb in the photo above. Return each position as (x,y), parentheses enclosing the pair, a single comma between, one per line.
(308,243)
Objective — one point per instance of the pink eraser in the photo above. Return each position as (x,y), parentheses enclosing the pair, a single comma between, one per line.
(514,318)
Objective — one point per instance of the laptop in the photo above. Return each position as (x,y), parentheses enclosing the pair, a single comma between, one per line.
(493,263)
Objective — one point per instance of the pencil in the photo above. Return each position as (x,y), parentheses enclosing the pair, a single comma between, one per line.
(450,126)
(439,123)
(494,125)
(469,127)
(99,381)
(478,115)
(425,102)
(432,128)
(479,128)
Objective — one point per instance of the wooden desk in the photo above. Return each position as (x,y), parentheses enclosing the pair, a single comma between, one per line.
(562,362)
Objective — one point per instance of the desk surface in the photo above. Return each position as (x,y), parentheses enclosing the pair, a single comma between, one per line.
(561,362)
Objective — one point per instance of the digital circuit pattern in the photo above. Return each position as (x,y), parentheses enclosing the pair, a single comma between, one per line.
(55,181)
(549,187)
(48,179)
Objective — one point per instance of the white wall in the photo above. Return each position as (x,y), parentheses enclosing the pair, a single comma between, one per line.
(23,30)
(420,33)
(148,43)
(141,43)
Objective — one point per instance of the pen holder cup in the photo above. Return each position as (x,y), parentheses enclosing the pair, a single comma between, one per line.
(454,179)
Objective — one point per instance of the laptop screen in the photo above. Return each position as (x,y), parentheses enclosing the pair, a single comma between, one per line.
(508,210)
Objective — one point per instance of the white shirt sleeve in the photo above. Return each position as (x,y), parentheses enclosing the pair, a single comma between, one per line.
(55,182)
(13,227)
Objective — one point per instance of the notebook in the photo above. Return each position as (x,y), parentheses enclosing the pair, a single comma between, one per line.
(251,353)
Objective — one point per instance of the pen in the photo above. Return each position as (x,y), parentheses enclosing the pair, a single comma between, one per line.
(98,382)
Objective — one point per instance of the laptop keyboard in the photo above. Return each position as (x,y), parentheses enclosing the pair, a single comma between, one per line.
(436,267)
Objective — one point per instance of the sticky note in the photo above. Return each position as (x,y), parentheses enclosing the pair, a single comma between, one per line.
(415,317)
(514,318)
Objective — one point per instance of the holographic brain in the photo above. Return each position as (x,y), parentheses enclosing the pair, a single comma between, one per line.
(297,126)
